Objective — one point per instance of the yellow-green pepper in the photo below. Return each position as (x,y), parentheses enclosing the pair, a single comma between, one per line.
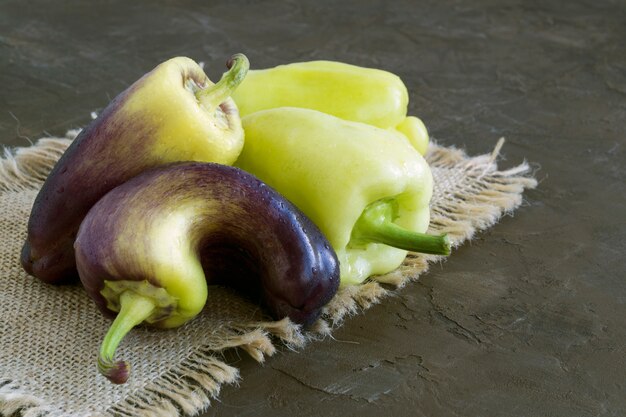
(365,187)
(350,92)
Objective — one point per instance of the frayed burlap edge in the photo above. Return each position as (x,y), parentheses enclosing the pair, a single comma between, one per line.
(189,387)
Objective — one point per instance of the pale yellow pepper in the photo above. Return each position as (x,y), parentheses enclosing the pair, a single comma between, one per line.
(366,188)
(350,92)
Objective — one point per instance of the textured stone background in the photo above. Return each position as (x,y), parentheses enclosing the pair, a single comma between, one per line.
(527,320)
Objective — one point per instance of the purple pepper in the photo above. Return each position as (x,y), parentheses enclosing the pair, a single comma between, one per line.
(146,251)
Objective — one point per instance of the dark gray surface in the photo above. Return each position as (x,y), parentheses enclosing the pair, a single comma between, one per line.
(528,319)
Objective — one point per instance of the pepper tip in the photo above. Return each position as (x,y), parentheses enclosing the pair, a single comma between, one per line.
(116,372)
(233,59)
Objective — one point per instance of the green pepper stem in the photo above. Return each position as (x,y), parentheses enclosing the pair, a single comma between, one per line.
(135,308)
(375,225)
(214,95)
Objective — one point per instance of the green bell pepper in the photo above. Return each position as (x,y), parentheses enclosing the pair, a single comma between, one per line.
(350,92)
(365,187)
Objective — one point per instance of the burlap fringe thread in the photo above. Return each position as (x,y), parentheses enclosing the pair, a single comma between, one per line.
(492,194)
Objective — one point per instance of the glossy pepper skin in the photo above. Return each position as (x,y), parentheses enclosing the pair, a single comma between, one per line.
(350,92)
(172,113)
(366,188)
(146,250)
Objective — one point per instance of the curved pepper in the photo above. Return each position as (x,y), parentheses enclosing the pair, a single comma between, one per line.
(146,250)
(349,92)
(366,188)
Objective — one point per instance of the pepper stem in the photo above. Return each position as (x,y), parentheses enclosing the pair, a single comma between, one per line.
(213,96)
(135,308)
(376,225)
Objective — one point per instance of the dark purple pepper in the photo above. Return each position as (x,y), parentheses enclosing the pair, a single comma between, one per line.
(157,240)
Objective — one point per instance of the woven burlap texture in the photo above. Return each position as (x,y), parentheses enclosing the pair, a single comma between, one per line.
(50,336)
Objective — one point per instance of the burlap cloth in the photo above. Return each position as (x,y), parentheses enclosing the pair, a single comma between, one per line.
(50,336)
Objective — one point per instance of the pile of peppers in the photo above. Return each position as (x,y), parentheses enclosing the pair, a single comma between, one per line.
(156,210)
